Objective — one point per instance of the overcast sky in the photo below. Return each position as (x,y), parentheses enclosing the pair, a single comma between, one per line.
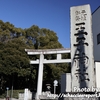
(50,14)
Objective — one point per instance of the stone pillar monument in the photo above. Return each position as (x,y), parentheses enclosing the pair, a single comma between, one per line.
(82,60)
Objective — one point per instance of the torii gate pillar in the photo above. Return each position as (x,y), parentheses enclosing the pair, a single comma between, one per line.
(40,76)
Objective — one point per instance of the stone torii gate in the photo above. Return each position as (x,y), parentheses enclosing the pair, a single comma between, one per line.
(42,61)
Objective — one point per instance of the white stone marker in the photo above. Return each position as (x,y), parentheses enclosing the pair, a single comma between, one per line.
(97,65)
(26,94)
(82,60)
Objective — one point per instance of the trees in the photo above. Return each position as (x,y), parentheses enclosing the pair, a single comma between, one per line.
(14,62)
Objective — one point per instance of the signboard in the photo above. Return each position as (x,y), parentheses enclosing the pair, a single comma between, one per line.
(55,83)
(82,60)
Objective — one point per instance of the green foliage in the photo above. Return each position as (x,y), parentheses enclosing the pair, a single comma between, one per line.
(14,62)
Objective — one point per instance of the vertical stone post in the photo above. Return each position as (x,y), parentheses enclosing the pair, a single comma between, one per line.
(82,59)
(40,77)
